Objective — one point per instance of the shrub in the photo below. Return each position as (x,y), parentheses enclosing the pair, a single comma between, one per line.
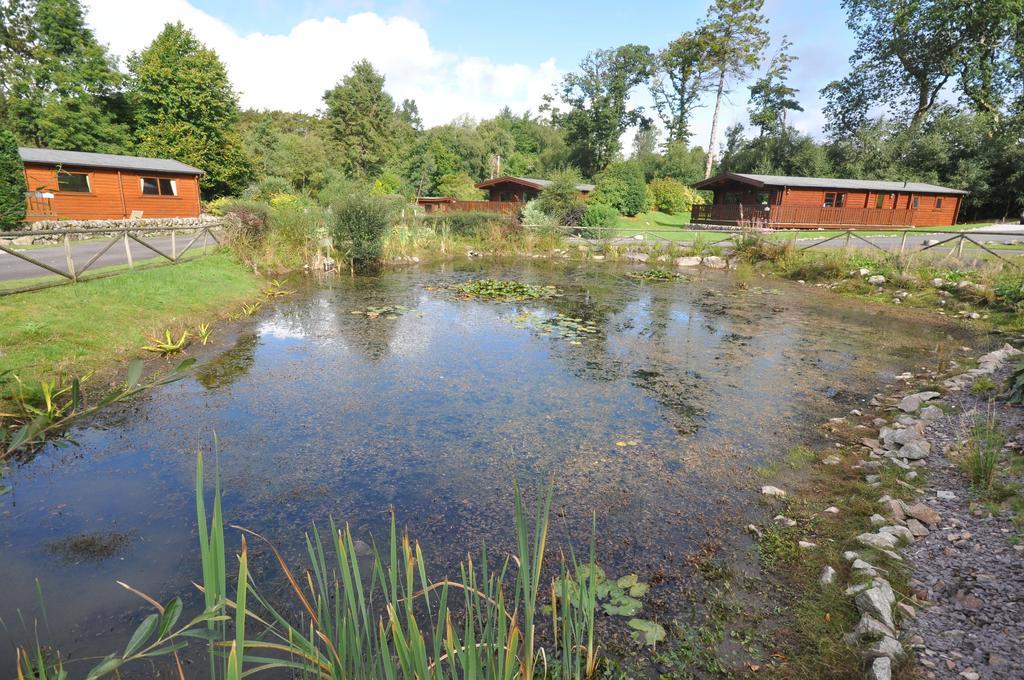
(597,218)
(621,185)
(217,205)
(362,220)
(532,216)
(266,188)
(463,223)
(561,198)
(247,219)
(671,196)
(459,185)
(12,183)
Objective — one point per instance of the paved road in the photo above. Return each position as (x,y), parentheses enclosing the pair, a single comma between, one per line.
(1007,235)
(12,268)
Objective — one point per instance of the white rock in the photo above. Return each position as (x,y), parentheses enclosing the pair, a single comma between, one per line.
(878,541)
(772,491)
(878,602)
(828,575)
(784,521)
(863,271)
(876,280)
(863,567)
(850,556)
(878,521)
(806,545)
(831,460)
(938,283)
(881,669)
(931,413)
(714,262)
(687,261)
(832,510)
(902,533)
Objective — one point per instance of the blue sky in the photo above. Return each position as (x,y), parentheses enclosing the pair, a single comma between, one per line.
(456,56)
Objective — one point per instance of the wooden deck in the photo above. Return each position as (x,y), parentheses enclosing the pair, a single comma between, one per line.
(802,217)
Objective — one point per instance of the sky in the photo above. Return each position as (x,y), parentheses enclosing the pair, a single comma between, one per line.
(456,57)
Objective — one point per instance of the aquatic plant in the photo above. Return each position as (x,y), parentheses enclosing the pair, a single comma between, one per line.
(203,333)
(29,416)
(276,289)
(167,345)
(654,275)
(387,311)
(250,309)
(496,289)
(558,326)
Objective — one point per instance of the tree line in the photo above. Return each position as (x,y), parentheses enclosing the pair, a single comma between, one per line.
(935,92)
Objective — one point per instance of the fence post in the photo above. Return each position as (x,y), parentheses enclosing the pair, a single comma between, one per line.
(174,247)
(903,242)
(128,250)
(206,234)
(960,247)
(67,256)
(846,241)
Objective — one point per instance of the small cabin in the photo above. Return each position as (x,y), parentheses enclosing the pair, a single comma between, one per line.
(76,185)
(784,202)
(521,189)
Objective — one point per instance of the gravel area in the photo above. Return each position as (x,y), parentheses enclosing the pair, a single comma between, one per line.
(968,574)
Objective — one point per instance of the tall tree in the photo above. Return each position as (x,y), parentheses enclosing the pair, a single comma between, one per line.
(771,97)
(735,37)
(680,78)
(61,88)
(185,108)
(597,97)
(361,117)
(12,182)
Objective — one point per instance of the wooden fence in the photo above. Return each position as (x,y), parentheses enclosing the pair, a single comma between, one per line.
(453,205)
(801,216)
(72,273)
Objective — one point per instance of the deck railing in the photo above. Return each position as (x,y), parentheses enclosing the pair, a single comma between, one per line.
(502,207)
(803,216)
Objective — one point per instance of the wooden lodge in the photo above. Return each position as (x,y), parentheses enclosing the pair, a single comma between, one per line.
(75,185)
(505,194)
(781,202)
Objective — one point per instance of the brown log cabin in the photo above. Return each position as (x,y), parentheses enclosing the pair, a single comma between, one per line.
(505,194)
(76,185)
(783,202)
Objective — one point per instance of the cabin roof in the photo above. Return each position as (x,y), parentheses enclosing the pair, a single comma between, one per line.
(531,182)
(827,183)
(105,160)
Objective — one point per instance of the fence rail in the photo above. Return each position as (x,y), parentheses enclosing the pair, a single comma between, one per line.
(812,216)
(72,273)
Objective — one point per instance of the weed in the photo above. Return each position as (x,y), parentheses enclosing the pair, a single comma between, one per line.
(982,452)
(167,345)
(982,385)
(203,333)
(775,546)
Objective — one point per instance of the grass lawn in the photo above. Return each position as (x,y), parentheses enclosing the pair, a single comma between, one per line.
(93,325)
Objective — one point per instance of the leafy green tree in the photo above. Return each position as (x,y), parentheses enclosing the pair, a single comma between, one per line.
(185,108)
(12,182)
(362,120)
(301,159)
(562,196)
(681,75)
(61,89)
(671,196)
(622,186)
(597,97)
(683,163)
(771,97)
(460,186)
(734,36)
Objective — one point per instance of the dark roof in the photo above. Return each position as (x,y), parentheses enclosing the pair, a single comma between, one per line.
(827,183)
(531,182)
(105,160)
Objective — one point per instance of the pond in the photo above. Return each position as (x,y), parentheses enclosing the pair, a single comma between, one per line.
(652,404)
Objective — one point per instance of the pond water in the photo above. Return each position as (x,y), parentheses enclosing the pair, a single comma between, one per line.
(324,413)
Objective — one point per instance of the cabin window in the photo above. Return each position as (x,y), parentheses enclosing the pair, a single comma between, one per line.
(732,197)
(153,186)
(835,200)
(916,202)
(938,202)
(73,181)
(879,200)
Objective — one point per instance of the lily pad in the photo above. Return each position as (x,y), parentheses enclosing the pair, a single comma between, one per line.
(623,606)
(639,589)
(647,632)
(627,581)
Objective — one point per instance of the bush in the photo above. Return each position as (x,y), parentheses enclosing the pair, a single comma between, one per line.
(12,183)
(463,223)
(460,186)
(362,220)
(561,199)
(532,216)
(247,220)
(597,218)
(621,185)
(671,196)
(266,188)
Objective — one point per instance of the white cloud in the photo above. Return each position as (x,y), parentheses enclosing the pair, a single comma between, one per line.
(291,71)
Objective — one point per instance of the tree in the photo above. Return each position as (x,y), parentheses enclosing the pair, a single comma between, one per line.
(735,37)
(680,77)
(61,88)
(460,186)
(361,117)
(185,108)
(12,182)
(622,186)
(771,97)
(561,197)
(597,99)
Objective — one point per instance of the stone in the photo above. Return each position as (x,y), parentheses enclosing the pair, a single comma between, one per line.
(832,510)
(876,280)
(913,402)
(714,262)
(925,514)
(916,528)
(828,575)
(806,545)
(945,495)
(773,491)
(863,567)
(22,241)
(831,460)
(878,521)
(636,257)
(907,610)
(887,647)
(881,669)
(898,509)
(782,520)
(863,271)
(878,541)
(903,533)
(850,556)
(931,413)
(938,283)
(915,450)
(878,602)
(687,261)
(872,479)
(970,675)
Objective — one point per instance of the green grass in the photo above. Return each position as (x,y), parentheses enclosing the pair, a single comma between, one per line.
(90,325)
